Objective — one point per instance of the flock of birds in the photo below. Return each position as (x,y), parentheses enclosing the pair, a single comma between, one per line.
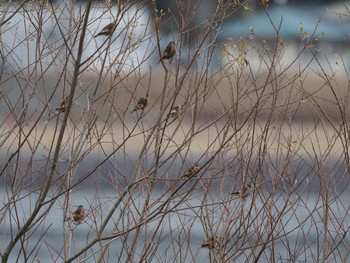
(210,243)
(168,54)
(79,214)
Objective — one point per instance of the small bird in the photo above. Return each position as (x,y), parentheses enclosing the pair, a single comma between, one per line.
(63,105)
(170,51)
(141,104)
(211,243)
(176,111)
(107,30)
(79,214)
(191,171)
(245,191)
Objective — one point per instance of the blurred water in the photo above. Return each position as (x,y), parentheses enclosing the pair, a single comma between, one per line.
(183,225)
(298,217)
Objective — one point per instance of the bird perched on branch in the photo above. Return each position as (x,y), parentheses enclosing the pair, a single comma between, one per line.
(63,105)
(107,30)
(191,171)
(79,214)
(170,51)
(141,104)
(176,111)
(211,242)
(245,191)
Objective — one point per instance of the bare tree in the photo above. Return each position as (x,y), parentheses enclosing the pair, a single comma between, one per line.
(231,153)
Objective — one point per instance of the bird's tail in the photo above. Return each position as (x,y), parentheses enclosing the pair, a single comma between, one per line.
(205,245)
(235,193)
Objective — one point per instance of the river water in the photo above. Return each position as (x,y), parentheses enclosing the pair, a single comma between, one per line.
(298,219)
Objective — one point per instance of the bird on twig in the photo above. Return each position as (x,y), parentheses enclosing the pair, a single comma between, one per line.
(211,242)
(63,105)
(245,191)
(176,111)
(170,51)
(191,172)
(79,214)
(141,104)
(107,30)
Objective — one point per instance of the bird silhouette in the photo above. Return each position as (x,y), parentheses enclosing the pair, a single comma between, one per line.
(245,191)
(211,242)
(176,111)
(79,214)
(169,51)
(107,30)
(141,104)
(63,105)
(191,172)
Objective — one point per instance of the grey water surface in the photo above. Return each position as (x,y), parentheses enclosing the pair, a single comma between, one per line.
(182,231)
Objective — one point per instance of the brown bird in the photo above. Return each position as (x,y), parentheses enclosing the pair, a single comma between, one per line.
(141,104)
(245,191)
(63,105)
(211,243)
(107,30)
(176,111)
(191,171)
(170,51)
(79,214)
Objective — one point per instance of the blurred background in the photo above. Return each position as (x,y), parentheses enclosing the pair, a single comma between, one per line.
(300,30)
(327,23)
